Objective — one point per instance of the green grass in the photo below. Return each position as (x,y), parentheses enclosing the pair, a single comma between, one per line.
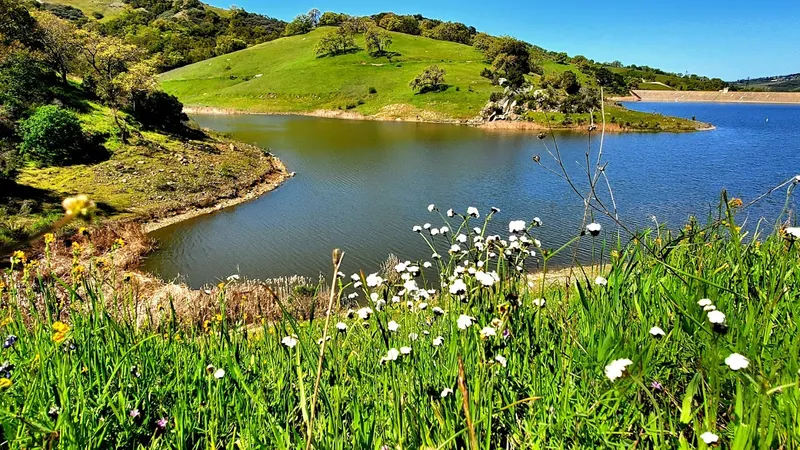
(107,381)
(618,118)
(150,176)
(293,79)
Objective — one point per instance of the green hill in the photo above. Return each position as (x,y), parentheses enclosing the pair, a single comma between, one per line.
(285,76)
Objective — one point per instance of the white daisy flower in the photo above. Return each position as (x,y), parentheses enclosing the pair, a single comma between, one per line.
(341,326)
(427,264)
(446,392)
(716,317)
(436,256)
(352,295)
(450,212)
(219,373)
(657,332)
(405,350)
(709,308)
(539,302)
(410,286)
(395,299)
(487,332)
(289,341)
(455,248)
(431,207)
(615,369)
(233,277)
(487,279)
(437,311)
(355,277)
(477,230)
(357,284)
(709,438)
(374,296)
(462,238)
(703,302)
(444,230)
(400,267)
(380,304)
(416,229)
(501,359)
(600,281)
(792,232)
(434,231)
(422,306)
(495,209)
(391,355)
(464,321)
(413,336)
(413,270)
(438,341)
(593,228)
(473,211)
(374,280)
(516,226)
(736,361)
(458,287)
(537,221)
(393,326)
(364,313)
(427,226)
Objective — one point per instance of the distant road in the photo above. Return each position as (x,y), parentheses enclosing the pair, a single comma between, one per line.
(712,96)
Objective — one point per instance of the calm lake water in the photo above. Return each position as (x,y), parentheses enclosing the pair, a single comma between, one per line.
(362,185)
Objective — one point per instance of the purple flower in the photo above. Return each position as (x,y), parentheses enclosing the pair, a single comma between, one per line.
(134,413)
(506,334)
(656,386)
(162,423)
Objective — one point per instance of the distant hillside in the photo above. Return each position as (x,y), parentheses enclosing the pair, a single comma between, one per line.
(285,76)
(779,83)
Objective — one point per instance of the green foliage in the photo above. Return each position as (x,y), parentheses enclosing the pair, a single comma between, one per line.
(332,19)
(17,24)
(301,24)
(569,82)
(229,44)
(431,79)
(510,58)
(561,58)
(24,82)
(52,136)
(66,12)
(377,40)
(612,81)
(158,110)
(400,24)
(335,43)
(451,31)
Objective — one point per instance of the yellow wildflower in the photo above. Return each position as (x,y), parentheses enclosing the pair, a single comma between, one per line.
(60,327)
(205,326)
(221,285)
(78,206)
(127,277)
(83,231)
(84,369)
(218,317)
(735,203)
(5,383)
(119,243)
(5,321)
(49,238)
(59,337)
(18,257)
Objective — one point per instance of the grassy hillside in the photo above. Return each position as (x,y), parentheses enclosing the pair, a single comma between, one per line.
(151,176)
(285,76)
(109,9)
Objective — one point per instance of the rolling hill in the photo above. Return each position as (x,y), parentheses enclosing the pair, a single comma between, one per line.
(285,76)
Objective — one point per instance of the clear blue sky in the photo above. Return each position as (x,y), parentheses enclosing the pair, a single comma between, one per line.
(730,40)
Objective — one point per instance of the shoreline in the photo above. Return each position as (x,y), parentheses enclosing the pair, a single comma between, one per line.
(734,97)
(499,125)
(252,193)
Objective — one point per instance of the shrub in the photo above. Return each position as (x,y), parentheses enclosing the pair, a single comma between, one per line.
(228,44)
(495,96)
(431,79)
(52,136)
(97,15)
(158,110)
(372,90)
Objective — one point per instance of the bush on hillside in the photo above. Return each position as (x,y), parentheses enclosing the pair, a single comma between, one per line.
(400,24)
(569,82)
(451,31)
(229,44)
(52,136)
(431,79)
(24,82)
(158,110)
(332,19)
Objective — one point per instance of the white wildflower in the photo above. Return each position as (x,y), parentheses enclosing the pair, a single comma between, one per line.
(431,207)
(736,361)
(539,302)
(600,281)
(615,369)
(364,313)
(473,211)
(405,350)
(438,341)
(458,287)
(341,326)
(391,355)
(501,359)
(709,438)
(219,373)
(450,212)
(716,317)
(374,280)
(289,341)
(464,321)
(462,238)
(446,392)
(703,302)
(488,332)
(657,332)
(593,228)
(516,226)
(455,248)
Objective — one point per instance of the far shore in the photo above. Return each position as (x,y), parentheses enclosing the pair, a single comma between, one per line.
(671,96)
(499,125)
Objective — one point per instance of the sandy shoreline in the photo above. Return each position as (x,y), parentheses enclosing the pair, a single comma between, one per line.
(500,125)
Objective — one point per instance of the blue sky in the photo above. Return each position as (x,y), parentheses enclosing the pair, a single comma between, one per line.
(730,40)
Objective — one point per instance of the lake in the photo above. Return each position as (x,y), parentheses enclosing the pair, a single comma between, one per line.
(362,185)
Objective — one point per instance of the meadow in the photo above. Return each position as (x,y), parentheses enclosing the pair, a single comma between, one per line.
(688,339)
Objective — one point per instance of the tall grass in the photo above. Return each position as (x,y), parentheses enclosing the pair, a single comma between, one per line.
(526,373)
